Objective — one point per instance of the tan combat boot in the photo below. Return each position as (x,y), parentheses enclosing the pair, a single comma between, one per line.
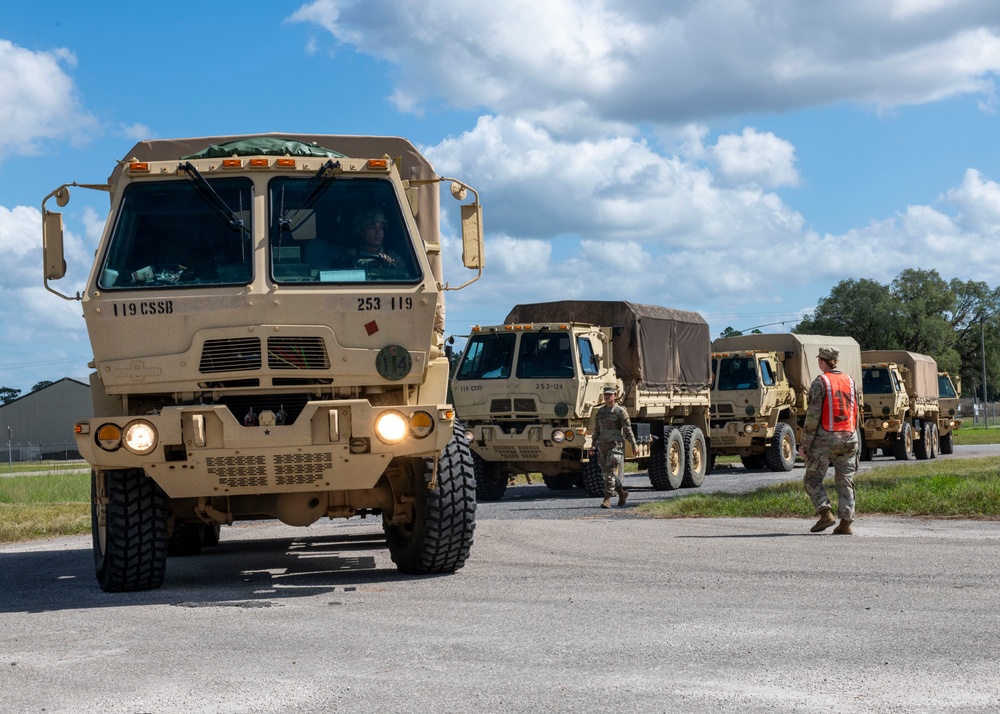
(826,520)
(606,503)
(622,495)
(844,528)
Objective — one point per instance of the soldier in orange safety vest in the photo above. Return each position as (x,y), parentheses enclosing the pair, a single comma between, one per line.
(829,436)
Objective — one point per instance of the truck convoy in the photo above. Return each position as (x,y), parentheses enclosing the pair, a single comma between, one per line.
(760,393)
(256,357)
(950,412)
(527,391)
(901,407)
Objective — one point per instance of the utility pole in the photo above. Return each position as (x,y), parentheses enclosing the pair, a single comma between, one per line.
(982,345)
(10,454)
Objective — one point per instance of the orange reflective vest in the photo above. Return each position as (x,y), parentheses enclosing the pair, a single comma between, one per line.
(840,404)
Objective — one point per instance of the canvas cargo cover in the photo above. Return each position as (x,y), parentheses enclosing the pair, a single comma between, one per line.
(802,367)
(660,347)
(921,377)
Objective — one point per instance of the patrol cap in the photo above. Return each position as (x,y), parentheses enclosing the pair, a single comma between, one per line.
(610,390)
(829,353)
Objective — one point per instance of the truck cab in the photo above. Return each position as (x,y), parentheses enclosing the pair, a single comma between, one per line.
(949,392)
(526,393)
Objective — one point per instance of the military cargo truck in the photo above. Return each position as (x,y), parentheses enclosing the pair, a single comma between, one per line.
(528,391)
(901,408)
(950,412)
(266,315)
(760,393)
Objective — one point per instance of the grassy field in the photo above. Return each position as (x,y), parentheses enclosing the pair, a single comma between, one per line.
(54,504)
(57,502)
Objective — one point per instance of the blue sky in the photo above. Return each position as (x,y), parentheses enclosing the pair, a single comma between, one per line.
(733,157)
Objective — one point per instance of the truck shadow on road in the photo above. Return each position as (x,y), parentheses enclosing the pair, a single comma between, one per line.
(239,572)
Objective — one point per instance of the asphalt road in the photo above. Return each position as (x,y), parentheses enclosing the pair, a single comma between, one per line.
(562,607)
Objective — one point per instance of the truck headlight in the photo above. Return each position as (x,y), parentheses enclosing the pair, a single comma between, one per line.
(558,436)
(391,427)
(139,437)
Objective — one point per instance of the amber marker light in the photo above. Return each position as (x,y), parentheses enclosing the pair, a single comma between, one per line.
(232,163)
(259,163)
(376,164)
(138,166)
(285,163)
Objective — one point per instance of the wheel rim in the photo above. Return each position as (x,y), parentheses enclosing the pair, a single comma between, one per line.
(674,460)
(786,447)
(697,457)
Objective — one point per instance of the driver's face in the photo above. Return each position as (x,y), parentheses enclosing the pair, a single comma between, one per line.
(374,236)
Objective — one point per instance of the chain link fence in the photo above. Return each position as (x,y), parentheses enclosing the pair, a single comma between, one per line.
(17,453)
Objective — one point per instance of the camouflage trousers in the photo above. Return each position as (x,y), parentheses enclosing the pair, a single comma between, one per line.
(840,451)
(610,457)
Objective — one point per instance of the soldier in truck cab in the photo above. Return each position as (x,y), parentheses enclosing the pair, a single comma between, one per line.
(370,250)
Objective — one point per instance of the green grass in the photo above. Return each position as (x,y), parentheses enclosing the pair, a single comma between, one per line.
(44,506)
(947,488)
(977,435)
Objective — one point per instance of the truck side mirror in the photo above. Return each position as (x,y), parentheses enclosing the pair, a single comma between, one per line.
(52,246)
(472,236)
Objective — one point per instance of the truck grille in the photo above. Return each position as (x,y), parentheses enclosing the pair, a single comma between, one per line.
(238,471)
(297,353)
(300,468)
(514,453)
(234,355)
(722,409)
(500,405)
(255,471)
(525,405)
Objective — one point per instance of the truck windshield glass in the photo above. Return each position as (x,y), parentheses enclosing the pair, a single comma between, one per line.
(876,380)
(588,360)
(545,354)
(945,388)
(352,231)
(173,234)
(736,373)
(488,356)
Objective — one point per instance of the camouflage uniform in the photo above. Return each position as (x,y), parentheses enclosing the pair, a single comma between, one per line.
(611,428)
(823,448)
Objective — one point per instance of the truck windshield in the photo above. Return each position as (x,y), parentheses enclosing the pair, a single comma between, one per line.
(173,234)
(488,356)
(736,373)
(351,231)
(545,354)
(876,380)
(945,387)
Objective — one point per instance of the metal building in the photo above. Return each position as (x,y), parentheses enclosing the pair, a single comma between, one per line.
(39,425)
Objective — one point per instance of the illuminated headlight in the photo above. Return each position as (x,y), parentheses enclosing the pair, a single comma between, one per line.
(109,437)
(391,427)
(139,437)
(885,425)
(470,435)
(421,424)
(558,436)
(751,428)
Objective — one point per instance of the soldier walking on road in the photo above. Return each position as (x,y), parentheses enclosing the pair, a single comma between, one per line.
(611,428)
(829,436)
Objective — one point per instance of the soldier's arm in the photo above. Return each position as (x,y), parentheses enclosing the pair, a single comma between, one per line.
(627,430)
(811,424)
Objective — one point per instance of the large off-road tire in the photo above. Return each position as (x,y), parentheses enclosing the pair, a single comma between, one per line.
(946,443)
(560,482)
(935,441)
(695,456)
(666,460)
(922,446)
(129,523)
(440,537)
(491,479)
(212,535)
(780,455)
(754,462)
(902,447)
(593,479)
(186,539)
(865,453)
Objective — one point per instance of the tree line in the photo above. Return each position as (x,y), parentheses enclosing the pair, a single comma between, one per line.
(955,322)
(9,394)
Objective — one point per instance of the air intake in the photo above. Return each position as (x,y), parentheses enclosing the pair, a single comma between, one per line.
(236,355)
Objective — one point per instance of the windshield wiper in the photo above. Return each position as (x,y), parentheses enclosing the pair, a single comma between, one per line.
(317,185)
(220,206)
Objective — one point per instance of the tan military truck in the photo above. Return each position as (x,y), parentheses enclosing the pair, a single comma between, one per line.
(528,391)
(949,393)
(760,393)
(266,315)
(901,409)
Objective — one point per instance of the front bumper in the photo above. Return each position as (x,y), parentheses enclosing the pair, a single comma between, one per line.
(202,450)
